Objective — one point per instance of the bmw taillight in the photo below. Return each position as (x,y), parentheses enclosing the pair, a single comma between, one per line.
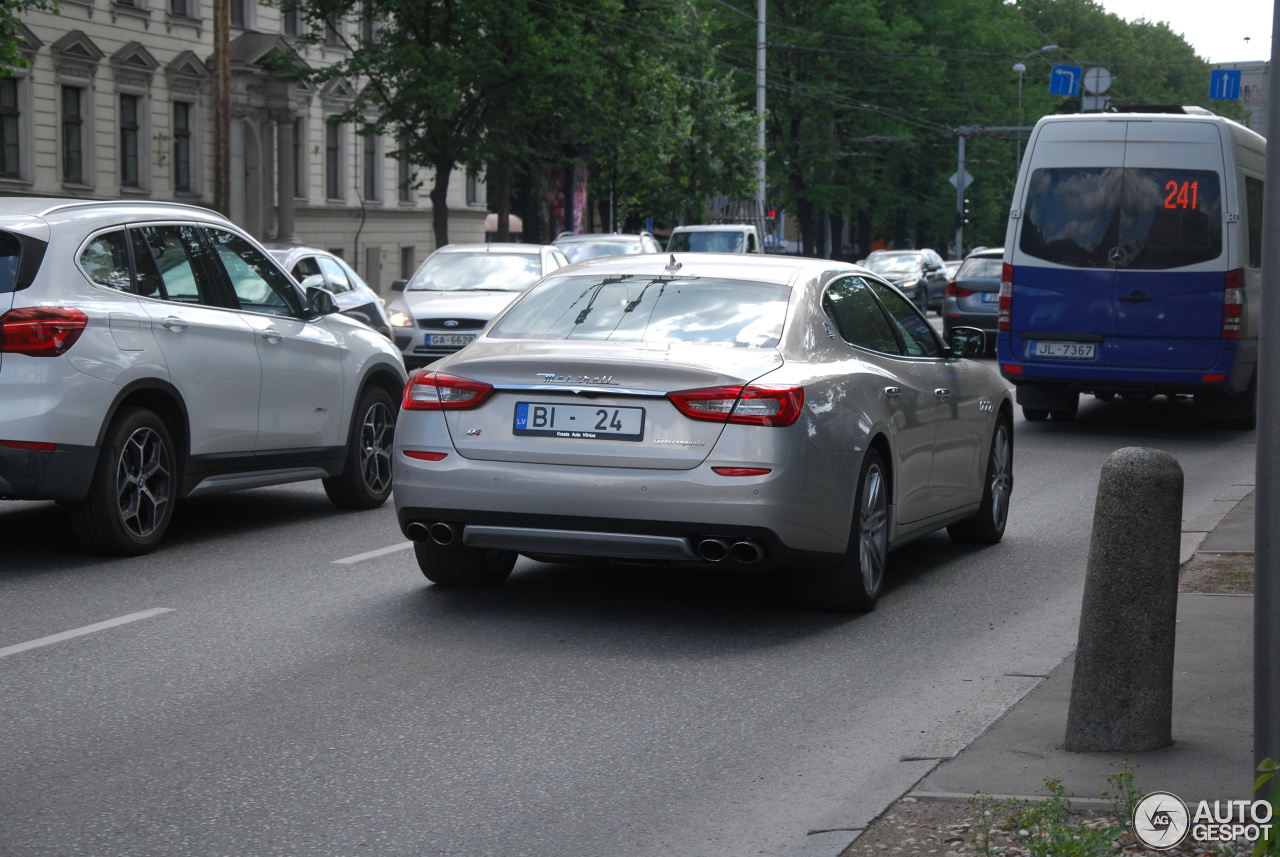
(951,289)
(756,405)
(41,331)
(1233,304)
(1005,312)
(435,391)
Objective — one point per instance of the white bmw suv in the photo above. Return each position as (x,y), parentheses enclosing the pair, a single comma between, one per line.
(153,351)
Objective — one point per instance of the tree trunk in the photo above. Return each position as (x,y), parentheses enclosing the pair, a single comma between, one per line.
(440,201)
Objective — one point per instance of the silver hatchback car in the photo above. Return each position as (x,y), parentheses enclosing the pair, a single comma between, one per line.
(709,411)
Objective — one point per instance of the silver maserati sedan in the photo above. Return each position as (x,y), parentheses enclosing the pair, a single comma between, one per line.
(704,411)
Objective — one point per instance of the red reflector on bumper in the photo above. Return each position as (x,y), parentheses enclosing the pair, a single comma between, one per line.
(1213,379)
(424,456)
(36,445)
(742,471)
(1010,369)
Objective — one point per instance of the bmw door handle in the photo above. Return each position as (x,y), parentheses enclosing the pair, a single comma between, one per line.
(174,323)
(275,337)
(893,392)
(942,393)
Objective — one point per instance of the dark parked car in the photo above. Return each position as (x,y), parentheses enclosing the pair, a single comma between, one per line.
(973,297)
(918,273)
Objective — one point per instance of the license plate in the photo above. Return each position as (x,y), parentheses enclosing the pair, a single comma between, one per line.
(1063,350)
(990,297)
(451,339)
(590,422)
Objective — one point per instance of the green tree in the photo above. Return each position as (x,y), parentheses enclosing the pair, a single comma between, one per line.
(11,12)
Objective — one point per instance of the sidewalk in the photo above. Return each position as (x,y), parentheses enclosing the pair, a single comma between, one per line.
(1212,753)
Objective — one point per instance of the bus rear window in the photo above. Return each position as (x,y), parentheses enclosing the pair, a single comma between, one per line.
(1112,217)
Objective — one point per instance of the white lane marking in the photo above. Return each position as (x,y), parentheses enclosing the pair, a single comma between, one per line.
(361,557)
(80,632)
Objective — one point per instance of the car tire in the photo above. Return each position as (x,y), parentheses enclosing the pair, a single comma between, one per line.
(1065,415)
(463,566)
(135,484)
(365,480)
(1035,415)
(987,526)
(853,585)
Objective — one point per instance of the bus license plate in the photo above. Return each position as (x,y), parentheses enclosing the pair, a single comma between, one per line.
(1064,350)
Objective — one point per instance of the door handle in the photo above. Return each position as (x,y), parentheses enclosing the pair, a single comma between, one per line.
(174,323)
(942,393)
(1136,298)
(893,392)
(275,337)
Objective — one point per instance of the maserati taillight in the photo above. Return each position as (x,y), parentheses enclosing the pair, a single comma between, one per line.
(435,391)
(756,405)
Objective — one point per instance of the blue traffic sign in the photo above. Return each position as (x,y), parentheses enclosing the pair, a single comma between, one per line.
(1066,80)
(1224,84)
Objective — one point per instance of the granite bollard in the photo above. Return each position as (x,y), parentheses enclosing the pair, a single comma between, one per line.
(1122,688)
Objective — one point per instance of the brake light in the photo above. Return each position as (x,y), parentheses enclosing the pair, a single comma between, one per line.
(1233,304)
(755,405)
(41,331)
(31,445)
(742,471)
(951,289)
(435,391)
(1005,312)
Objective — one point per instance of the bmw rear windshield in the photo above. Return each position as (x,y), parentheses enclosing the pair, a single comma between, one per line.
(1113,217)
(648,309)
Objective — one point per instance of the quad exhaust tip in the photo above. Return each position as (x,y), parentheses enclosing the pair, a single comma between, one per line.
(742,552)
(438,533)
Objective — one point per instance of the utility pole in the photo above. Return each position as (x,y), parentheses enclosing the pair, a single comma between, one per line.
(222,106)
(1266,586)
(760,89)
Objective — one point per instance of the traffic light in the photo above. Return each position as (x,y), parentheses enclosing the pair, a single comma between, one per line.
(964,215)
(773,215)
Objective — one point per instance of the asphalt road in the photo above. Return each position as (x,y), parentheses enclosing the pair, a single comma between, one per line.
(307,692)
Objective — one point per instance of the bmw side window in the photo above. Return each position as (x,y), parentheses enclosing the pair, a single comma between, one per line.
(10,258)
(915,334)
(259,286)
(858,317)
(105,260)
(168,262)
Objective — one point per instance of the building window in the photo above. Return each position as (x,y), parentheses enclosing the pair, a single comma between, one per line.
(182,8)
(407,262)
(10,115)
(299,168)
(239,13)
(334,36)
(290,21)
(372,186)
(129,140)
(333,160)
(73,134)
(475,189)
(366,24)
(182,146)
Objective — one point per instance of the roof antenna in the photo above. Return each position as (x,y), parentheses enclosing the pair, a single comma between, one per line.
(673,265)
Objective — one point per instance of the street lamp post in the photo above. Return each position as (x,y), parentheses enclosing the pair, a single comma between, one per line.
(1021,67)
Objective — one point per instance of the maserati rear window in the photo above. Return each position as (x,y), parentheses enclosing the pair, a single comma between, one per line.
(1112,217)
(652,310)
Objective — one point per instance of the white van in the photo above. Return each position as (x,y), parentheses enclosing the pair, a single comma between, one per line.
(715,238)
(1132,263)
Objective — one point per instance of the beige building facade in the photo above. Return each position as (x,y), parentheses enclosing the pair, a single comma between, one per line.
(118,103)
